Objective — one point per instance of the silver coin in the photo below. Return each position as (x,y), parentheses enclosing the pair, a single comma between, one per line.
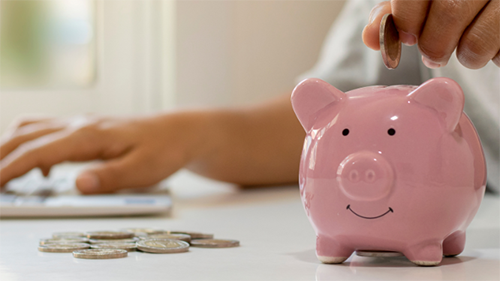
(109,234)
(66,240)
(140,231)
(382,254)
(165,246)
(109,241)
(67,234)
(124,246)
(194,235)
(182,237)
(63,248)
(390,45)
(215,243)
(100,254)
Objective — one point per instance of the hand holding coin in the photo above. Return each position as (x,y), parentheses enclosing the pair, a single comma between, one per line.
(440,28)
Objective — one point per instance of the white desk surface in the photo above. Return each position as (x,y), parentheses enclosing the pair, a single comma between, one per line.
(277,243)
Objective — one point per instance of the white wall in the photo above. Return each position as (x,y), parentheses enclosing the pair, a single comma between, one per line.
(226,52)
(236,52)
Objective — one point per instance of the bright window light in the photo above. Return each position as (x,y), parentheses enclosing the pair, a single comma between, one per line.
(47,43)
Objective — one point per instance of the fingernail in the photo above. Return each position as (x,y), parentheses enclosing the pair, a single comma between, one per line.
(371,18)
(407,38)
(373,14)
(430,64)
(379,9)
(88,182)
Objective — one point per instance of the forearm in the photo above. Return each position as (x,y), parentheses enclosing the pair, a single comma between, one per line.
(258,145)
(248,146)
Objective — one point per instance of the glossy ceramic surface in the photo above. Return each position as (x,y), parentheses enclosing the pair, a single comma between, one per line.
(397,168)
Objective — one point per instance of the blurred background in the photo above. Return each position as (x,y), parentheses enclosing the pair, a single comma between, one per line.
(67,57)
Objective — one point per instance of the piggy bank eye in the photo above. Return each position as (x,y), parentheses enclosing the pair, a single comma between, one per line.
(391,132)
(345,132)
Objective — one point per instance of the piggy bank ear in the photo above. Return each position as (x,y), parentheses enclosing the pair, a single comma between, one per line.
(311,96)
(444,96)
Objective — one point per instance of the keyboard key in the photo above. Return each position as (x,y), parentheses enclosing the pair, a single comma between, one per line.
(7,199)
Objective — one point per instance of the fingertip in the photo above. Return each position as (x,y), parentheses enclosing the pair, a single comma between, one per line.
(407,38)
(45,171)
(371,38)
(88,183)
(430,64)
(372,29)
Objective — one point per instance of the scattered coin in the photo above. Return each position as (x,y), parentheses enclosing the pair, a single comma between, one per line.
(100,254)
(124,246)
(194,235)
(139,231)
(116,244)
(390,45)
(182,237)
(383,254)
(63,248)
(67,234)
(165,246)
(109,235)
(215,243)
(66,240)
(109,241)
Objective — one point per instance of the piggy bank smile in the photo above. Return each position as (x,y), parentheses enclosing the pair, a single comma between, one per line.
(369,218)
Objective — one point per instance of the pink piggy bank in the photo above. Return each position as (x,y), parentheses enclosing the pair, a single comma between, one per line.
(391,169)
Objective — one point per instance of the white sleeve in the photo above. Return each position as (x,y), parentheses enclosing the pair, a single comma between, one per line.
(482,104)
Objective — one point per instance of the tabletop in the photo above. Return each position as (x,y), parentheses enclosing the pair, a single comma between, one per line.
(277,243)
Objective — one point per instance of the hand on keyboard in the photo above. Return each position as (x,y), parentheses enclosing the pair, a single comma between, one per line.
(137,151)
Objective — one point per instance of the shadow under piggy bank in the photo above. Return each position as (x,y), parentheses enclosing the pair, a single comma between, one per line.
(477,261)
(393,268)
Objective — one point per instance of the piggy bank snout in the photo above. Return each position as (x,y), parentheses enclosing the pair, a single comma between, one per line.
(365,176)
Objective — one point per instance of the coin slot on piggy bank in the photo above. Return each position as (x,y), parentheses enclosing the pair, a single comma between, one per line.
(389,170)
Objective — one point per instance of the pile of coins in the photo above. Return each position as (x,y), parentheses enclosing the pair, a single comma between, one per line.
(117,244)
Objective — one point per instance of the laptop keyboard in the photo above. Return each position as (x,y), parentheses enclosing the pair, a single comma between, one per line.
(34,189)
(33,195)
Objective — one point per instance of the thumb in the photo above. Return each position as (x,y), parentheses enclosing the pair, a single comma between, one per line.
(124,172)
(371,31)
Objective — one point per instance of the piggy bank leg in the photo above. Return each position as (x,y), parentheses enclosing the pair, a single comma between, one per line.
(454,244)
(429,253)
(330,251)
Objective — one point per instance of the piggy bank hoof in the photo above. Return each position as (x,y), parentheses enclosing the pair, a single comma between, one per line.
(426,263)
(324,259)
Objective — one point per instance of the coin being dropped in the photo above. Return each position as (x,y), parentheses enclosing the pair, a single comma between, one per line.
(390,45)
(63,248)
(215,243)
(65,240)
(109,241)
(100,254)
(164,246)
(382,254)
(67,234)
(124,246)
(182,237)
(109,234)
